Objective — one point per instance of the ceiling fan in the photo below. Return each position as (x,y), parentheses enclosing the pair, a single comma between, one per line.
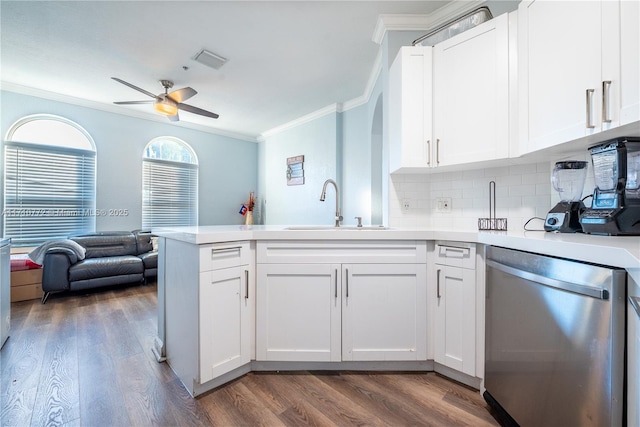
(168,103)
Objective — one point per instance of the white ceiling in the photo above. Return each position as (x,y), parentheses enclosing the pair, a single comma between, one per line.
(286,59)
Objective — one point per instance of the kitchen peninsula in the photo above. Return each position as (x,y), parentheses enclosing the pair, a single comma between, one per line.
(238,298)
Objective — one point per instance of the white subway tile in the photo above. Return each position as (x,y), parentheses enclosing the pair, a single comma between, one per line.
(522,190)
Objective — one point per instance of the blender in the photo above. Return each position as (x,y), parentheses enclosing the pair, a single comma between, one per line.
(615,209)
(568,180)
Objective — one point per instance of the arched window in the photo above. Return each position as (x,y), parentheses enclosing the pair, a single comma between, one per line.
(49,180)
(169,184)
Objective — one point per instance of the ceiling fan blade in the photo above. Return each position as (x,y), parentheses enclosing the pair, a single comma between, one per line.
(182,94)
(134,87)
(133,102)
(174,118)
(196,110)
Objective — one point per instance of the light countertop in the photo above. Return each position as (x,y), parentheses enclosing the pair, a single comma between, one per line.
(616,251)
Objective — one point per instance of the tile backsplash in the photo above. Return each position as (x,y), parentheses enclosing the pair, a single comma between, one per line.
(523,191)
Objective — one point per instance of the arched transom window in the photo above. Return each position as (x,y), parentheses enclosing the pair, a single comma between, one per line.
(49,180)
(169,184)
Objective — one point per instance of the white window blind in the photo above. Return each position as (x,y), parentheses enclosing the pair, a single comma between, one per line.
(169,193)
(49,192)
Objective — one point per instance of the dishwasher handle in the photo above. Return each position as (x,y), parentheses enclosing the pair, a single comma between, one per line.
(591,291)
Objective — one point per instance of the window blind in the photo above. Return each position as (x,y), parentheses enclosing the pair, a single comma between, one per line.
(169,193)
(49,193)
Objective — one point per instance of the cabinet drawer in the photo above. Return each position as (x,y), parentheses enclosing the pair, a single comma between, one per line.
(456,254)
(341,251)
(224,255)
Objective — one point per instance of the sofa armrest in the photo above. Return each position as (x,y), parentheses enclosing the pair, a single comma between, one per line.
(55,269)
(70,254)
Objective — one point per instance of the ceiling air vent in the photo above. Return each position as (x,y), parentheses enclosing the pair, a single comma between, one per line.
(209,59)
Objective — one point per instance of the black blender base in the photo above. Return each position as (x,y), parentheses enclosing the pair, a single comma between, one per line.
(619,222)
(565,218)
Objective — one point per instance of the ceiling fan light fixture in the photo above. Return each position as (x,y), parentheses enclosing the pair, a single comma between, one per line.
(166,107)
(209,59)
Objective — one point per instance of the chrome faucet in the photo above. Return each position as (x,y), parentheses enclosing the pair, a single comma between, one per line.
(324,194)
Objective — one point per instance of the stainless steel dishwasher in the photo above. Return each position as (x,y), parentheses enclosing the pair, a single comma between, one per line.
(555,341)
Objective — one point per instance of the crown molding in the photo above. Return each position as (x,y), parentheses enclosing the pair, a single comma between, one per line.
(399,23)
(329,109)
(371,83)
(52,96)
(334,108)
(434,20)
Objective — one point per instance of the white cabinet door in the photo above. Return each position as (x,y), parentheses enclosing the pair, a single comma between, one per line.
(225,330)
(455,318)
(563,77)
(471,95)
(384,312)
(410,108)
(629,61)
(298,313)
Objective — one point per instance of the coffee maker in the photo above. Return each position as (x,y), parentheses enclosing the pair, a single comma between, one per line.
(568,180)
(615,208)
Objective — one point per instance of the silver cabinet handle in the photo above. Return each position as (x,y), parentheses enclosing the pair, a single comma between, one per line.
(589,103)
(224,250)
(453,252)
(347,282)
(438,283)
(336,284)
(437,151)
(246,284)
(606,101)
(428,152)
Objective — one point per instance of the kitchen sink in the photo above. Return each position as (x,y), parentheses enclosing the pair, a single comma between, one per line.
(331,227)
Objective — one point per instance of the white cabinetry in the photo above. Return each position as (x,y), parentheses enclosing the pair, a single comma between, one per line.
(208,310)
(410,108)
(629,61)
(341,300)
(570,69)
(384,312)
(455,306)
(298,314)
(471,95)
(449,104)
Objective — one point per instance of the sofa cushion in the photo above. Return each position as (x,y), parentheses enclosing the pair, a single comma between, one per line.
(108,244)
(90,268)
(143,241)
(150,260)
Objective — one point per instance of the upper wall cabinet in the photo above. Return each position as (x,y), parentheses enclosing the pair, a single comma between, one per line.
(449,104)
(572,80)
(410,113)
(629,61)
(471,94)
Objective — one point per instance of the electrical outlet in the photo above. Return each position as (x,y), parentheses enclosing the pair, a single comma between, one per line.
(406,204)
(443,204)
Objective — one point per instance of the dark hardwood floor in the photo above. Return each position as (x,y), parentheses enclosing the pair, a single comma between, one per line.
(85,360)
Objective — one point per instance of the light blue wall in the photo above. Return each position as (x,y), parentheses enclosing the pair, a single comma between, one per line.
(283,204)
(227,166)
(356,171)
(337,146)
